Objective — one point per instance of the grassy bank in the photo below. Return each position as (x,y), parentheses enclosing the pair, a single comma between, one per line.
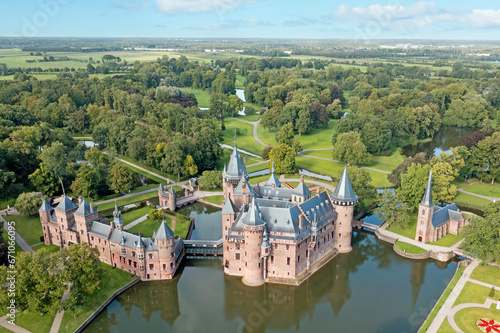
(29,227)
(129,200)
(410,248)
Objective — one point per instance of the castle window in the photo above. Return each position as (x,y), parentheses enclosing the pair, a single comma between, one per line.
(133,253)
(237,257)
(287,247)
(124,250)
(275,246)
(340,235)
(164,267)
(171,265)
(172,254)
(298,259)
(81,231)
(140,256)
(237,246)
(150,256)
(92,237)
(307,253)
(288,260)
(272,259)
(151,266)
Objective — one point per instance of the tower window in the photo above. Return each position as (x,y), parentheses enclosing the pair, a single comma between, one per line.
(288,260)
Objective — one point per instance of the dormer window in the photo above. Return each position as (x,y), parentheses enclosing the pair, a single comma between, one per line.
(124,250)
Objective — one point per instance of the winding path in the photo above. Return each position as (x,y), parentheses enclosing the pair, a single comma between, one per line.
(19,240)
(331,160)
(479,195)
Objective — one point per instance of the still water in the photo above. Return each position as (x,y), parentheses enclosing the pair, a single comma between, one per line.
(207,219)
(370,289)
(446,138)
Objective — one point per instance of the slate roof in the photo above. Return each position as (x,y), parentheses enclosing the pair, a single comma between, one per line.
(343,192)
(179,247)
(163,232)
(427,200)
(235,167)
(228,207)
(273,180)
(253,217)
(239,188)
(66,204)
(276,193)
(442,215)
(117,215)
(45,207)
(301,190)
(85,209)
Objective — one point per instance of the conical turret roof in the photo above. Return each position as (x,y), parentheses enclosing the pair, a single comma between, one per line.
(343,192)
(117,215)
(228,207)
(140,243)
(265,239)
(253,217)
(45,207)
(235,167)
(163,231)
(273,180)
(66,204)
(427,200)
(85,209)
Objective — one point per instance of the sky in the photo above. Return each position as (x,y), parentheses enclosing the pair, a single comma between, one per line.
(309,19)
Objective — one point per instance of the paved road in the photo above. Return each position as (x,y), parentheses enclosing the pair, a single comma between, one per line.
(12,328)
(19,240)
(136,222)
(479,195)
(448,304)
(255,124)
(59,315)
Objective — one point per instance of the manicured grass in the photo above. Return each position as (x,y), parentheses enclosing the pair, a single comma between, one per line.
(386,163)
(244,137)
(472,293)
(2,329)
(257,167)
(460,183)
(445,327)
(466,318)
(216,199)
(29,227)
(259,179)
(441,301)
(112,280)
(146,227)
(135,214)
(316,138)
(7,202)
(202,96)
(149,168)
(485,189)
(410,248)
(144,173)
(129,200)
(470,200)
(488,274)
(407,232)
(448,240)
(33,321)
(181,226)
(252,118)
(50,248)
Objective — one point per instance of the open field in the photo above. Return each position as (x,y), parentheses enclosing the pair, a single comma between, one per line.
(216,199)
(466,318)
(470,200)
(316,138)
(129,200)
(486,189)
(472,293)
(50,248)
(29,227)
(112,280)
(487,273)
(202,96)
(34,321)
(244,136)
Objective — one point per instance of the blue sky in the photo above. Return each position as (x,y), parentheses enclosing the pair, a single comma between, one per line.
(313,19)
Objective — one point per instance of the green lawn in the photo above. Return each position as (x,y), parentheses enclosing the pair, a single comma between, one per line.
(259,179)
(410,248)
(135,214)
(240,81)
(257,167)
(202,96)
(472,293)
(466,318)
(147,227)
(485,189)
(29,227)
(50,248)
(34,322)
(216,199)
(448,240)
(112,280)
(244,137)
(488,274)
(149,168)
(470,200)
(441,301)
(407,232)
(316,138)
(129,200)
(139,171)
(252,118)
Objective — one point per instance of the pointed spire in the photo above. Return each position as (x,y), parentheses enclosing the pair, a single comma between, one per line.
(343,192)
(235,138)
(427,200)
(265,239)
(45,207)
(163,231)
(253,216)
(272,168)
(161,187)
(117,215)
(140,243)
(228,207)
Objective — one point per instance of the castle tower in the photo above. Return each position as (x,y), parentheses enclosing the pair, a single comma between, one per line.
(164,239)
(172,199)
(273,180)
(65,218)
(301,193)
(117,218)
(232,174)
(228,212)
(344,200)
(424,232)
(253,230)
(141,273)
(84,216)
(265,251)
(44,212)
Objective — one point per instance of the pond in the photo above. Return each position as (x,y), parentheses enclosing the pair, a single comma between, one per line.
(208,221)
(446,138)
(370,290)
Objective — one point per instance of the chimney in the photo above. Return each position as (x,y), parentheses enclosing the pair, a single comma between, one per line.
(301,221)
(302,179)
(317,191)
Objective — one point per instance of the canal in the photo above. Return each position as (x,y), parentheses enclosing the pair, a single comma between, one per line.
(370,289)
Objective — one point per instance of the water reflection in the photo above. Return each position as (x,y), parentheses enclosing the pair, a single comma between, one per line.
(370,289)
(208,221)
(446,138)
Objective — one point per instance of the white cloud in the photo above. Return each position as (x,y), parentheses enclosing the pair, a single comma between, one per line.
(418,15)
(196,6)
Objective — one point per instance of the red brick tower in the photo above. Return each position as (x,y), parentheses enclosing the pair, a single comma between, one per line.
(45,211)
(164,239)
(84,216)
(425,212)
(228,212)
(344,200)
(253,228)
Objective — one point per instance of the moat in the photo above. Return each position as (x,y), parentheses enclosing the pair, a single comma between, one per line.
(370,289)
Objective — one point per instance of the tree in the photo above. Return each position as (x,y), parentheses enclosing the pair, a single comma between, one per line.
(235,104)
(392,209)
(88,182)
(350,148)
(395,176)
(210,180)
(190,166)
(285,135)
(283,157)
(304,121)
(121,178)
(362,187)
(155,214)
(55,159)
(269,119)
(28,203)
(481,237)
(413,184)
(45,181)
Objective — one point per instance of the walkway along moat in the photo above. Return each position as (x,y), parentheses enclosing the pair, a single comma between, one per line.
(389,293)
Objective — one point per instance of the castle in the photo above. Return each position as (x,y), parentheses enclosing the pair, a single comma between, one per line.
(436,222)
(276,234)
(152,258)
